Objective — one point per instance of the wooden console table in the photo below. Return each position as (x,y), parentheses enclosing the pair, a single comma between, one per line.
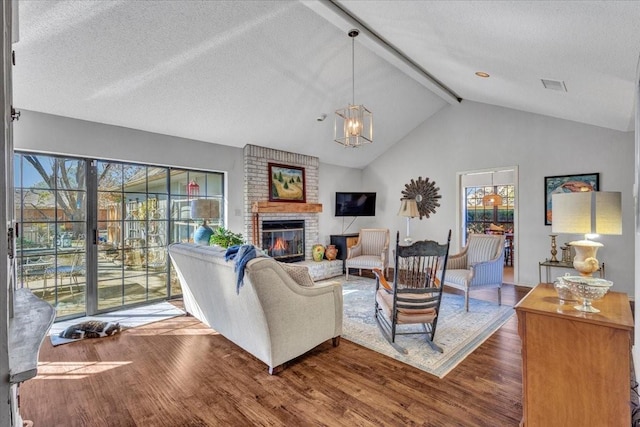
(575,366)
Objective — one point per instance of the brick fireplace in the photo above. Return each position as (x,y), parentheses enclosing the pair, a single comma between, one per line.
(256,195)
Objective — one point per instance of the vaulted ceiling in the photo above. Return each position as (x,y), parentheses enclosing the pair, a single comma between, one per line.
(263,72)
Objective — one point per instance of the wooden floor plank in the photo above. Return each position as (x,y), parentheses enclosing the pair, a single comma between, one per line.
(180,373)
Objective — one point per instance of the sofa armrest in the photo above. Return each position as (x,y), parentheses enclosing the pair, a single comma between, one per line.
(298,317)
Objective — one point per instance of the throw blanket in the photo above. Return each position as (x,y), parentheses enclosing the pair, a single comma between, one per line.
(242,255)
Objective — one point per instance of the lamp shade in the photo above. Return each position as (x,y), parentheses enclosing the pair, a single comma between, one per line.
(593,212)
(408,208)
(492,200)
(205,209)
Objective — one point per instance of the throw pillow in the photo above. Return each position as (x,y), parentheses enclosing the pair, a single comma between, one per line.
(298,273)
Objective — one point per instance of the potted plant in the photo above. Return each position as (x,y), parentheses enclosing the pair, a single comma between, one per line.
(225,238)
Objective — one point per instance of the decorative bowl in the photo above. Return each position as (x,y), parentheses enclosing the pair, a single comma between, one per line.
(563,290)
(587,289)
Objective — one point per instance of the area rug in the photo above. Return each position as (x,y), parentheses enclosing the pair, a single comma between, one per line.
(127,318)
(458,332)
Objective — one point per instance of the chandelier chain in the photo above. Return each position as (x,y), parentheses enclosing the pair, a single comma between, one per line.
(353,71)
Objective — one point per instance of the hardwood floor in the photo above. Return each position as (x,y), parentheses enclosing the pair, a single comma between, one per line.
(181,373)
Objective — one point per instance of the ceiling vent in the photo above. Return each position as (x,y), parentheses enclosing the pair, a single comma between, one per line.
(554,85)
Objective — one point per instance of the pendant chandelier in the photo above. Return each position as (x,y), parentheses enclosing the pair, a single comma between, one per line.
(492,199)
(353,124)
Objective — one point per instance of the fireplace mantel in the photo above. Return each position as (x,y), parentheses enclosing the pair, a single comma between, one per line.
(281,207)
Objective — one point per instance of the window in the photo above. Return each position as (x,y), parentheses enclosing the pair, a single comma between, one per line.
(136,211)
(481,212)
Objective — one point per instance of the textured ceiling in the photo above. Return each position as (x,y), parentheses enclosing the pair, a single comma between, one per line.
(260,72)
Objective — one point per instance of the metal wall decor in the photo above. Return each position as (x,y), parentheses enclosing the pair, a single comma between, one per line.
(425,193)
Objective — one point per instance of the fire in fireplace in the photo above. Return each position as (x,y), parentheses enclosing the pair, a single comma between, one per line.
(284,240)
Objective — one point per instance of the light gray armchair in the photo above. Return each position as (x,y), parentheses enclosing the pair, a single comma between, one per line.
(478,266)
(371,251)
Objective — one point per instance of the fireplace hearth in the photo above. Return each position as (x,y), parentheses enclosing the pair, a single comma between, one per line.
(284,239)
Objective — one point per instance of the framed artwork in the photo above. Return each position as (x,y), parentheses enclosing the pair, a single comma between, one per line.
(286,183)
(567,184)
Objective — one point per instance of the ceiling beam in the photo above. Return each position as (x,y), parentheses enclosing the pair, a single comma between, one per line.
(344,19)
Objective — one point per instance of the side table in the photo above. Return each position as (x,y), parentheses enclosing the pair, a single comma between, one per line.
(576,366)
(343,242)
(548,265)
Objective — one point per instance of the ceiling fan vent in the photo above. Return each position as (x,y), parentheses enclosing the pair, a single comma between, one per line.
(554,85)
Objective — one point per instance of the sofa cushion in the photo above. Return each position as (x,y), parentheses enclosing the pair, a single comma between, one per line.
(299,273)
(458,277)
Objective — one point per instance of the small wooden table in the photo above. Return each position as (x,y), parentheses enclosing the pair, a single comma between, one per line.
(576,366)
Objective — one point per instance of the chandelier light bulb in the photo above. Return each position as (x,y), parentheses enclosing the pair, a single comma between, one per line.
(355,127)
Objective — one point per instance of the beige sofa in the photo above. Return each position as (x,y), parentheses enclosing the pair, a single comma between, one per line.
(272,316)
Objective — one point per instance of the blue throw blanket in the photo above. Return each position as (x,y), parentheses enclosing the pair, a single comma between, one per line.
(242,255)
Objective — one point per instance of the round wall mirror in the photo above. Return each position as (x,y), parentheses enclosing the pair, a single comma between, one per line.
(425,194)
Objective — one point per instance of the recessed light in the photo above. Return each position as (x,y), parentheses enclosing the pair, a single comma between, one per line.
(482,74)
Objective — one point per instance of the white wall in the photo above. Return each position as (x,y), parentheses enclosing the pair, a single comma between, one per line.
(636,356)
(463,137)
(474,136)
(60,135)
(337,178)
(64,136)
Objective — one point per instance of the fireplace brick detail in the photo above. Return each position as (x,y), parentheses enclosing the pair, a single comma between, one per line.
(256,189)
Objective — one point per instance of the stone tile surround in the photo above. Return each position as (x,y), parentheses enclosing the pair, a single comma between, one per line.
(256,189)
(325,269)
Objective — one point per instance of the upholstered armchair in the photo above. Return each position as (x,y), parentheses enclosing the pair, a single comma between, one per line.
(371,251)
(478,266)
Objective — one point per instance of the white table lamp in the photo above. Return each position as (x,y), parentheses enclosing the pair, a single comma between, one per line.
(409,209)
(204,209)
(589,213)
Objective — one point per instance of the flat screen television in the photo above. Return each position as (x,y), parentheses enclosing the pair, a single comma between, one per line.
(355,204)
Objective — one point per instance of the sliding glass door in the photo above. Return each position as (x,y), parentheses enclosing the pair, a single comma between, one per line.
(94,234)
(131,234)
(51,204)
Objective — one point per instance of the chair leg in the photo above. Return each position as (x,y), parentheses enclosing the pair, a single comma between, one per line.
(499,296)
(430,336)
(70,284)
(275,370)
(347,274)
(466,300)
(386,330)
